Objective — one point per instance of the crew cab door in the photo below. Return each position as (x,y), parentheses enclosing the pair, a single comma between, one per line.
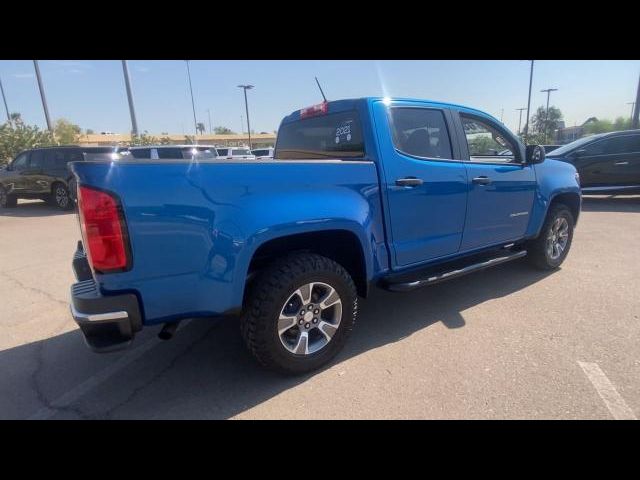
(424,179)
(17,180)
(501,186)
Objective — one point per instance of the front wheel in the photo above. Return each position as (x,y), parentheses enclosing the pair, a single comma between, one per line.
(7,200)
(549,250)
(299,313)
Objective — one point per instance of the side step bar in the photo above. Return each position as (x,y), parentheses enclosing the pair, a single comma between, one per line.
(430,279)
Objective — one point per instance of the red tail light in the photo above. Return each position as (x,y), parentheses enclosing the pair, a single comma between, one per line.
(103,230)
(312,111)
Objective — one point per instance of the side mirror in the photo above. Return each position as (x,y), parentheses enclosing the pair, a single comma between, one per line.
(534,154)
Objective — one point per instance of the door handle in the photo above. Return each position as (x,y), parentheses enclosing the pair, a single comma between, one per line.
(482,180)
(621,163)
(409,182)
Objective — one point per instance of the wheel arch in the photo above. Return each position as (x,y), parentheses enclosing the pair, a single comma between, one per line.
(339,244)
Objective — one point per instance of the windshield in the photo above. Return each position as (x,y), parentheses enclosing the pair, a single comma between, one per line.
(572,146)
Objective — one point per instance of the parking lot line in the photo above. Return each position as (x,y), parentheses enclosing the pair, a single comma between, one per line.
(77,392)
(612,399)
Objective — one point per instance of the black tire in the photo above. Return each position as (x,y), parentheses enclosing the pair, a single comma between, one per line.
(538,252)
(60,196)
(7,200)
(267,297)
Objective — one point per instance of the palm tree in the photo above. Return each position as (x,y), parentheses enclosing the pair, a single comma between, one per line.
(200,127)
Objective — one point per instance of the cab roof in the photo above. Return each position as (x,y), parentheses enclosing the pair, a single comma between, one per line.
(352,103)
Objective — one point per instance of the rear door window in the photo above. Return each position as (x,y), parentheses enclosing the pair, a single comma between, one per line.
(332,136)
(223,152)
(37,160)
(421,132)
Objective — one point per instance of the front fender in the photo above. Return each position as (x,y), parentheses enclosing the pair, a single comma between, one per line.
(554,178)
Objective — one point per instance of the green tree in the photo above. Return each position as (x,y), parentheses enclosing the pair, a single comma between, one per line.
(16,118)
(200,127)
(66,132)
(165,140)
(17,137)
(190,139)
(543,127)
(143,139)
(223,131)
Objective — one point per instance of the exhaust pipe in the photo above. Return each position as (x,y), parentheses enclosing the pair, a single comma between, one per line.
(168,330)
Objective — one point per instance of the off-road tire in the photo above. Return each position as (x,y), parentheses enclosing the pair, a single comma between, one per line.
(267,296)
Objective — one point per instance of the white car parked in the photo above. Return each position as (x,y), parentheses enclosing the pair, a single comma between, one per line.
(235,153)
(263,153)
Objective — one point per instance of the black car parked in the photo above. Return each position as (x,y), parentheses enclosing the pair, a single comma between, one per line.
(607,162)
(43,173)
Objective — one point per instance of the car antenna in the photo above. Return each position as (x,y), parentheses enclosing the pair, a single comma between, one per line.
(325,98)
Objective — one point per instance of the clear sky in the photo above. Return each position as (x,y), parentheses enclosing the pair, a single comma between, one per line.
(91,93)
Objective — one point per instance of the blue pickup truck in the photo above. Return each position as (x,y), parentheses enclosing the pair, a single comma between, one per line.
(392,193)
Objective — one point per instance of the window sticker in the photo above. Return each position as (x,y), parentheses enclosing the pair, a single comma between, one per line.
(343,132)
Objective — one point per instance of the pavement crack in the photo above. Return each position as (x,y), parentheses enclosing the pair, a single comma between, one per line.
(33,289)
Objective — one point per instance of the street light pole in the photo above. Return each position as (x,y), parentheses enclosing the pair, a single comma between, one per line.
(193,105)
(632,106)
(209,115)
(44,100)
(246,106)
(520,119)
(546,115)
(4,99)
(132,111)
(526,126)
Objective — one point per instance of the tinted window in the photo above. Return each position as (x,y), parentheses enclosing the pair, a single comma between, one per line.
(260,153)
(337,135)
(222,151)
(141,153)
(240,151)
(55,159)
(622,144)
(37,159)
(169,153)
(596,148)
(421,132)
(486,143)
(20,163)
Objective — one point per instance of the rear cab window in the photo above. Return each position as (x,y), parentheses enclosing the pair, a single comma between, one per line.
(325,137)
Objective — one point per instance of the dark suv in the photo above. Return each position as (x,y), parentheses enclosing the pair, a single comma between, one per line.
(43,173)
(607,162)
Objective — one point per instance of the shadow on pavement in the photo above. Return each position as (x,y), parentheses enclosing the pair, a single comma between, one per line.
(611,203)
(205,371)
(33,208)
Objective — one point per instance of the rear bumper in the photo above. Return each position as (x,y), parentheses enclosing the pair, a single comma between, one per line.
(108,322)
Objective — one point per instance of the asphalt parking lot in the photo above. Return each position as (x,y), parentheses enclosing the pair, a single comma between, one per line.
(509,342)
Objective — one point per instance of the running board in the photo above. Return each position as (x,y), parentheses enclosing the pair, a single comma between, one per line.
(405,286)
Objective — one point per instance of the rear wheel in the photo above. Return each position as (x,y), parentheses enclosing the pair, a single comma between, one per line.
(7,200)
(60,196)
(299,313)
(549,250)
